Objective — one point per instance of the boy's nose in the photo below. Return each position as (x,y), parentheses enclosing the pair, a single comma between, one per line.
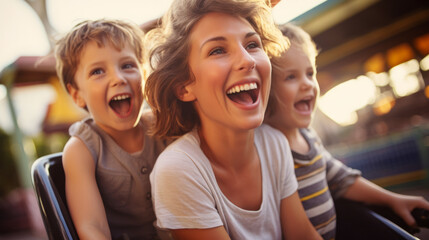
(308,82)
(118,78)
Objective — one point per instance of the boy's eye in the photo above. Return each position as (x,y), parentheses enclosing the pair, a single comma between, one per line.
(216,51)
(128,66)
(290,77)
(97,71)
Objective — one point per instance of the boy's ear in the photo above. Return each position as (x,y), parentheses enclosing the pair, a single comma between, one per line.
(184,93)
(75,94)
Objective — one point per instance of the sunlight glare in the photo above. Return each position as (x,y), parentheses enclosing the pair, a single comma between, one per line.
(380,79)
(424,63)
(30,119)
(64,14)
(2,92)
(22,33)
(290,9)
(342,101)
(405,80)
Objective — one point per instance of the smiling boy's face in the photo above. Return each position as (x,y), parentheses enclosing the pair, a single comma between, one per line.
(109,84)
(232,72)
(296,90)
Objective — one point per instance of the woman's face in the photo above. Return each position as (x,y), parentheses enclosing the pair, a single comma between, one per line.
(232,73)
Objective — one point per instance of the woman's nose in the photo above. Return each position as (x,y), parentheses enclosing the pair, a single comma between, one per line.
(245,60)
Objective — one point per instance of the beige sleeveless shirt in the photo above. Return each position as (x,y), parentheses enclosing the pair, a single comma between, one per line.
(123,180)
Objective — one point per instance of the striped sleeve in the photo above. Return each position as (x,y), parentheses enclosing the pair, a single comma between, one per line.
(339,176)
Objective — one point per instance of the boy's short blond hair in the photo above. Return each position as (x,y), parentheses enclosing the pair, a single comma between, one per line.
(299,36)
(68,49)
(170,54)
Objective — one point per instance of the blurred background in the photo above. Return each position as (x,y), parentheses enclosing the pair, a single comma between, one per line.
(372,69)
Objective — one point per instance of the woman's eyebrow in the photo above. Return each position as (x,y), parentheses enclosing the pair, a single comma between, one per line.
(249,34)
(214,39)
(220,38)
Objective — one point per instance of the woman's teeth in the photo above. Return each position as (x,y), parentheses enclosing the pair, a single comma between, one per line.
(244,87)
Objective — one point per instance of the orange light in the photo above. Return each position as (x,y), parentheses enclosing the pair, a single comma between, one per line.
(422,44)
(427,91)
(375,64)
(399,54)
(384,105)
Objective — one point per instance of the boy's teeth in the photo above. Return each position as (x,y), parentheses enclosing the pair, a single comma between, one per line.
(244,87)
(120,97)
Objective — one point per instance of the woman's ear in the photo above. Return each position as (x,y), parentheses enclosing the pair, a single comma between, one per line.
(185,93)
(76,96)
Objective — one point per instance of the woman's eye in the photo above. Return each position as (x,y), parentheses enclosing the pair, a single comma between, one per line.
(252,45)
(216,51)
(97,71)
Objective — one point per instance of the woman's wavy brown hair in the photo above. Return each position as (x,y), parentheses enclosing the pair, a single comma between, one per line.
(170,49)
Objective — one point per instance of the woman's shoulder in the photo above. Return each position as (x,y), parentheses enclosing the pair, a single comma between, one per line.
(271,142)
(267,133)
(182,159)
(185,148)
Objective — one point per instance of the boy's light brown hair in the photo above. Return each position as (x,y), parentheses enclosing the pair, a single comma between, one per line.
(299,36)
(68,49)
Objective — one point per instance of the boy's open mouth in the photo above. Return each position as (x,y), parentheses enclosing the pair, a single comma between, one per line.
(244,93)
(121,104)
(303,105)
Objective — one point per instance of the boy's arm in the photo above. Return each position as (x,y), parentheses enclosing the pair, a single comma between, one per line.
(82,193)
(367,192)
(295,223)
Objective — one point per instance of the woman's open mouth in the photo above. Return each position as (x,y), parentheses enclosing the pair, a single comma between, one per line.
(245,94)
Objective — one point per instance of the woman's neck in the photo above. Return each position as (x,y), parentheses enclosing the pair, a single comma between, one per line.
(236,165)
(228,149)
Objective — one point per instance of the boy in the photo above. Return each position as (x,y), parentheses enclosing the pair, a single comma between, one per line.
(321,178)
(109,156)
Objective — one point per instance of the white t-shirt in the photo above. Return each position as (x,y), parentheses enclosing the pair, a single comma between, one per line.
(186,195)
